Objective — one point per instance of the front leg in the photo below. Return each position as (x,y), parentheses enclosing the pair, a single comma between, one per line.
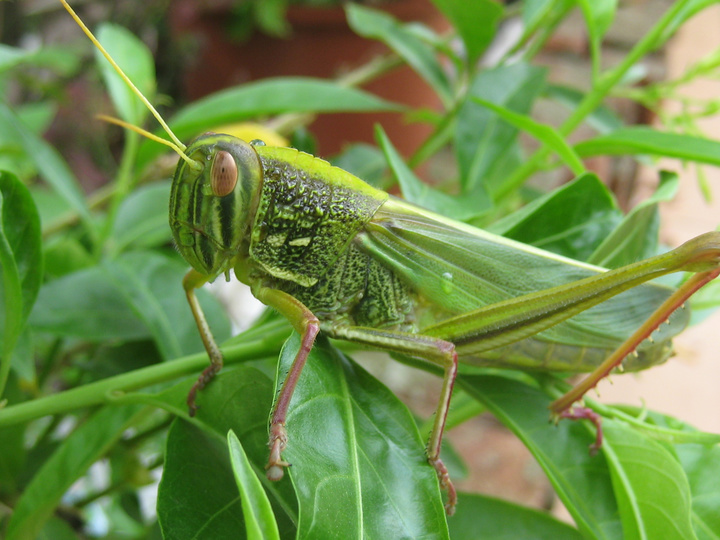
(194,280)
(307,325)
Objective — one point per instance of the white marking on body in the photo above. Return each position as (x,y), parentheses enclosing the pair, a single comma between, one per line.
(300,241)
(276,240)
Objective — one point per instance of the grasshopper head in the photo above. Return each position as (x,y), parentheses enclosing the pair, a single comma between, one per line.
(213,203)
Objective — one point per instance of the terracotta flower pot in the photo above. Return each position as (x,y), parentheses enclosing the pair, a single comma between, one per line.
(321,45)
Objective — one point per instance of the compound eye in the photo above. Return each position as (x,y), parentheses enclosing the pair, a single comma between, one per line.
(224,174)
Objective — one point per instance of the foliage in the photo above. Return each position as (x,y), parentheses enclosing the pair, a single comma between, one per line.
(271,17)
(99,348)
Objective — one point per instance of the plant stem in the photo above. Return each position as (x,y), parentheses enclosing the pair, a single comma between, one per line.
(101,391)
(605,84)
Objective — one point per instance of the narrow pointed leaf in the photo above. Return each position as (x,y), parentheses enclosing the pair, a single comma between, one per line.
(135,59)
(20,263)
(263,98)
(644,140)
(599,15)
(151,285)
(138,222)
(376,24)
(475,20)
(482,141)
(546,134)
(603,119)
(198,496)
(134,296)
(50,164)
(420,193)
(259,520)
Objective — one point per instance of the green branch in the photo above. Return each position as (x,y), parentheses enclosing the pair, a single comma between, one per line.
(97,393)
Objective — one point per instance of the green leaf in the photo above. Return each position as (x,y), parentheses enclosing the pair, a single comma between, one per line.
(475,20)
(704,302)
(259,520)
(58,59)
(270,16)
(603,119)
(136,61)
(58,529)
(11,56)
(354,447)
(364,161)
(21,247)
(83,447)
(636,237)
(376,24)
(416,191)
(599,15)
(152,286)
(544,133)
(198,497)
(645,140)
(20,264)
(138,222)
(86,304)
(134,296)
(23,357)
(350,435)
(13,455)
(702,467)
(534,11)
(484,517)
(581,482)
(572,220)
(262,98)
(482,141)
(52,209)
(51,165)
(541,17)
(651,488)
(65,255)
(701,463)
(36,117)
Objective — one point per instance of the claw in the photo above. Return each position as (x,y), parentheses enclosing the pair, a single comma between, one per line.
(275,468)
(445,484)
(584,413)
(205,377)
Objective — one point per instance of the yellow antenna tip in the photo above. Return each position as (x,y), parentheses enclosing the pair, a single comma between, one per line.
(179,151)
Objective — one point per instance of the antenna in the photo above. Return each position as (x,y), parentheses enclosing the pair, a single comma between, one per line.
(147,135)
(176,144)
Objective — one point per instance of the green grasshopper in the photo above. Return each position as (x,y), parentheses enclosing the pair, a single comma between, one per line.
(336,256)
